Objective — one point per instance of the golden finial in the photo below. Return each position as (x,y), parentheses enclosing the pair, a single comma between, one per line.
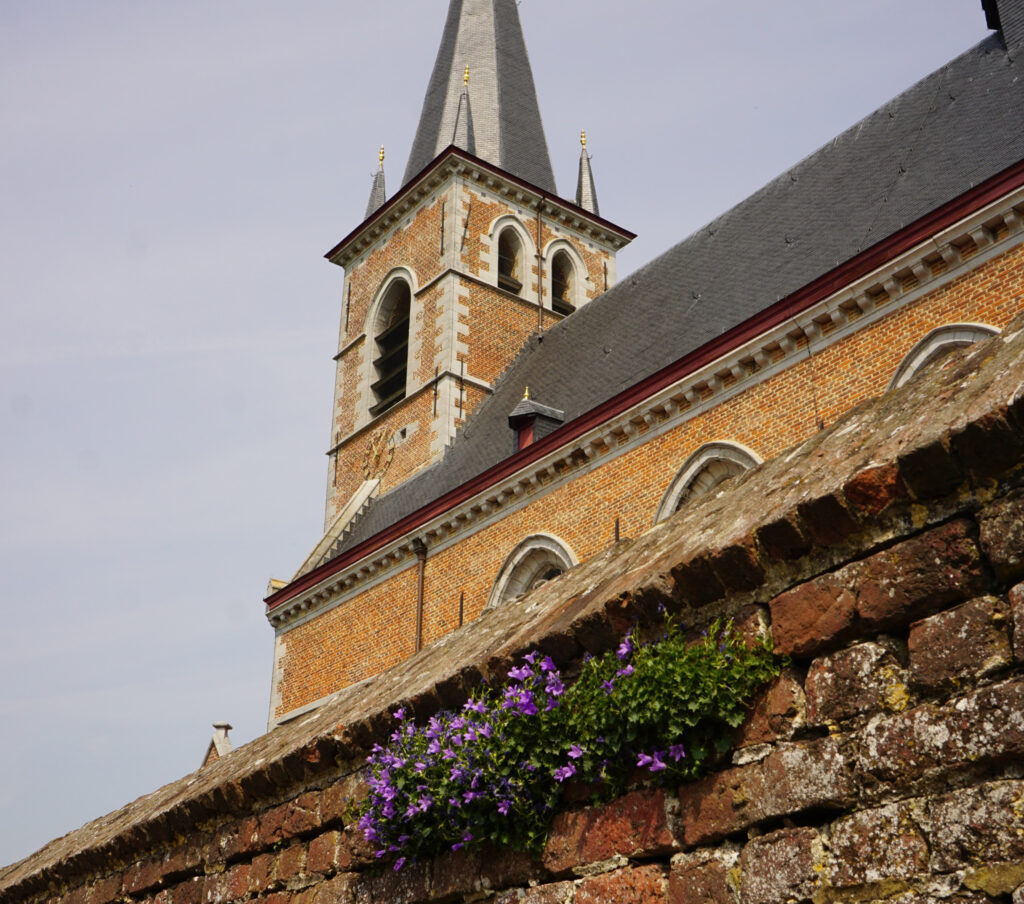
(380,156)
(526,394)
(583,138)
(465,77)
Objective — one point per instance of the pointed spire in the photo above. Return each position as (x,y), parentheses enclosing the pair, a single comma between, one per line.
(377,194)
(485,37)
(586,193)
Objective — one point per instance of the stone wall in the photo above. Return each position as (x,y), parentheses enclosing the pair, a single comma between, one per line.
(885,556)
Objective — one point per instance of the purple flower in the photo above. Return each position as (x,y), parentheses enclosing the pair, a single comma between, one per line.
(454,803)
(476,706)
(503,807)
(457,845)
(484,730)
(554,686)
(677,752)
(521,674)
(531,657)
(420,767)
(399,714)
(425,803)
(567,771)
(657,763)
(399,863)
(644,760)
(608,686)
(575,752)
(434,746)
(626,672)
(625,648)
(548,665)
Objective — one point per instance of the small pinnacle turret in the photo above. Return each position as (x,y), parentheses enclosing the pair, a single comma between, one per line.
(586,192)
(484,37)
(378,194)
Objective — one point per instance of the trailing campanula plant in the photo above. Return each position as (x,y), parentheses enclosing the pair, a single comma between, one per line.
(495,770)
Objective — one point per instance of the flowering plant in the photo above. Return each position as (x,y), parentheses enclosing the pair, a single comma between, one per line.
(494,771)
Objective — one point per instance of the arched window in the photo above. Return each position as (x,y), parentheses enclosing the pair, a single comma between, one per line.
(563,276)
(711,465)
(510,261)
(391,347)
(938,345)
(534,561)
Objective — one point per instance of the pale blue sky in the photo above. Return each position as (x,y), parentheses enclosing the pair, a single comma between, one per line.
(170,176)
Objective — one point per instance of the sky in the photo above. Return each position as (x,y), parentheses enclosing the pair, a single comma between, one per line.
(170,178)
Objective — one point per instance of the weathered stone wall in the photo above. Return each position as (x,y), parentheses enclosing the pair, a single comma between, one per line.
(885,555)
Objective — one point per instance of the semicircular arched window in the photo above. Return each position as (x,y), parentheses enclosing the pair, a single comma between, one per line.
(535,561)
(937,346)
(391,347)
(563,277)
(704,471)
(510,261)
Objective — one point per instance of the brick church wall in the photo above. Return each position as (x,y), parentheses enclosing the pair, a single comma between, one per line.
(768,418)
(885,555)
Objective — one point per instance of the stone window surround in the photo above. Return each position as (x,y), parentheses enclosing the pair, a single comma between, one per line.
(524,562)
(935,344)
(734,453)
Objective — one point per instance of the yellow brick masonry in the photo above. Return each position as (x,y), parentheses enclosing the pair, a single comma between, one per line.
(374,630)
(451,230)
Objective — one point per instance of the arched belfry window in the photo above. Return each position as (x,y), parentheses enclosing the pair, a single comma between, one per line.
(536,560)
(938,345)
(709,467)
(510,261)
(563,278)
(391,347)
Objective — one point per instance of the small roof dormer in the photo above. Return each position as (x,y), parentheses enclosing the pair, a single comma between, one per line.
(531,421)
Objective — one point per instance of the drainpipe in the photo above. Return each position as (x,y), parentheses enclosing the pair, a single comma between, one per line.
(420,548)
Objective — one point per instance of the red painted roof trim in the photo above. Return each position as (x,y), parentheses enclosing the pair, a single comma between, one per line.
(785,309)
(454,151)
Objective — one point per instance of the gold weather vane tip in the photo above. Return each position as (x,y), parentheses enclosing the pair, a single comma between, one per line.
(465,78)
(583,138)
(380,156)
(526,394)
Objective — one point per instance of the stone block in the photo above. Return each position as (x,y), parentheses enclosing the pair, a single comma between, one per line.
(775,712)
(291,862)
(640,885)
(236,882)
(917,577)
(302,815)
(872,490)
(261,873)
(1018,895)
(355,850)
(635,825)
(553,893)
(930,471)
(970,641)
(983,727)
(473,870)
(875,845)
(1016,598)
(865,678)
(190,892)
(977,826)
(104,891)
(405,886)
(783,539)
(1002,535)
(703,881)
(343,889)
(738,567)
(827,520)
(271,825)
(143,876)
(323,854)
(795,777)
(781,867)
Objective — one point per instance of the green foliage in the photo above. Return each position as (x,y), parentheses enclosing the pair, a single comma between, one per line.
(495,771)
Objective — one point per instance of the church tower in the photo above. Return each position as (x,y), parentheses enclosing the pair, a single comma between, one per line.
(446,279)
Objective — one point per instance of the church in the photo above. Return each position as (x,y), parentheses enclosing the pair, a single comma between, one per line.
(505,408)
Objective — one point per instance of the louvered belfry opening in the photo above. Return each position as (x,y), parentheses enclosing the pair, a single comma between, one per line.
(509,255)
(561,284)
(392,347)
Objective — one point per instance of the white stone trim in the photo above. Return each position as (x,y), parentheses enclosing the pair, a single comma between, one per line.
(936,343)
(489,254)
(719,451)
(521,565)
(582,287)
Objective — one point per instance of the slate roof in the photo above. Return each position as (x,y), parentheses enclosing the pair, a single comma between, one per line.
(505,127)
(946,134)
